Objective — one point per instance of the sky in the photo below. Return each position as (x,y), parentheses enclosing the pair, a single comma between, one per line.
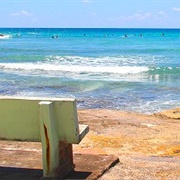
(90,13)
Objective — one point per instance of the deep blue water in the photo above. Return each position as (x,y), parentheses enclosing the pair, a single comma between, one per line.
(127,69)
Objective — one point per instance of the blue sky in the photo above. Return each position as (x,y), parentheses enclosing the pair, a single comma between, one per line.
(90,13)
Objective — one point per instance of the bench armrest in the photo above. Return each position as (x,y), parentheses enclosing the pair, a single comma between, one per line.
(83,130)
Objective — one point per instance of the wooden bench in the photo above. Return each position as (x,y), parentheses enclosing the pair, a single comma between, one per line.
(51,121)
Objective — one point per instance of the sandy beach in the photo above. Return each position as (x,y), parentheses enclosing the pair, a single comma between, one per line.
(147,146)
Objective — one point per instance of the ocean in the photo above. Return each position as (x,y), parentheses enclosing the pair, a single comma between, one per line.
(127,69)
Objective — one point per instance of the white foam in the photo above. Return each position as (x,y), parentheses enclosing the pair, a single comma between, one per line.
(94,61)
(5,36)
(74,68)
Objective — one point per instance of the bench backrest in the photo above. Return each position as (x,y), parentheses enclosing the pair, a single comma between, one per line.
(19,118)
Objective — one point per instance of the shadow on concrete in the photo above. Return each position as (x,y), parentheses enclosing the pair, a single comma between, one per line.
(16,173)
(12,173)
(87,166)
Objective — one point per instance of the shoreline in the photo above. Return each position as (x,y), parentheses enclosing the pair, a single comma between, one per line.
(172,113)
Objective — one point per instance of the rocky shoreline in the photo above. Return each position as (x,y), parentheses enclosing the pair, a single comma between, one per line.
(148,146)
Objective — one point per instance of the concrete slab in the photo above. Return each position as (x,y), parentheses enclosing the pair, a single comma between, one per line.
(22,160)
(92,166)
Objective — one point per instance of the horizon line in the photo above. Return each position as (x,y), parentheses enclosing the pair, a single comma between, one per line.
(91,27)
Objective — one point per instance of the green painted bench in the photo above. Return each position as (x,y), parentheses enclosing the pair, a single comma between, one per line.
(51,121)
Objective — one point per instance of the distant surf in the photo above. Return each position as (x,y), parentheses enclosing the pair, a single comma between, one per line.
(3,36)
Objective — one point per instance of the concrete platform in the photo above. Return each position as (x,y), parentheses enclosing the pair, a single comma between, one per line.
(22,160)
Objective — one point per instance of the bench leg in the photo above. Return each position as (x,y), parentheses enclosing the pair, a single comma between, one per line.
(57,156)
(49,139)
(65,159)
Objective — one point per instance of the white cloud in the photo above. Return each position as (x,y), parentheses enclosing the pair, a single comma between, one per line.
(176,8)
(21,13)
(141,16)
(136,16)
(161,13)
(86,1)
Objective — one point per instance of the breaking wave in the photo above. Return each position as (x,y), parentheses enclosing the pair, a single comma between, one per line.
(72,68)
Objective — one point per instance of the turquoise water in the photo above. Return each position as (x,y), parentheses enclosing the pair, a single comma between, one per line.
(127,69)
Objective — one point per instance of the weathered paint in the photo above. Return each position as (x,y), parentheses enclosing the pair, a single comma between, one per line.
(19,119)
(49,138)
(47,150)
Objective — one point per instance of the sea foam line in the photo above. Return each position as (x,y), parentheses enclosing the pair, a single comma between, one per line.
(73,68)
(5,36)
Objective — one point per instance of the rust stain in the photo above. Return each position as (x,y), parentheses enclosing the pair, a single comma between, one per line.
(47,148)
